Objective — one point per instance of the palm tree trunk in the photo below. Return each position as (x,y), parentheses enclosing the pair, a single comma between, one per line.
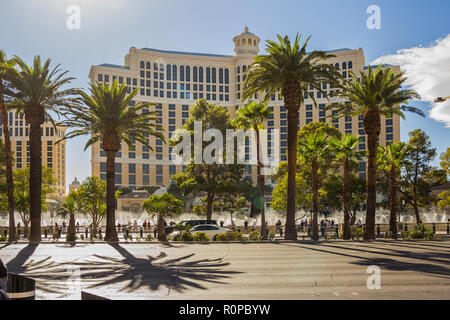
(111,232)
(290,232)
(346,201)
(209,206)
(35,180)
(371,186)
(161,229)
(9,170)
(415,206)
(71,229)
(315,191)
(393,203)
(261,185)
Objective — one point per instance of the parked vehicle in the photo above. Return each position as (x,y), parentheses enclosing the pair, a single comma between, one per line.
(211,230)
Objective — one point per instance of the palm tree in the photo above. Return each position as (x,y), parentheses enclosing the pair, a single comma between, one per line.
(39,94)
(252,116)
(5,63)
(109,115)
(163,206)
(373,94)
(290,68)
(346,150)
(391,159)
(69,207)
(313,148)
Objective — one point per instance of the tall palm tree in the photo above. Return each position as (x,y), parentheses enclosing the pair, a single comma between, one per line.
(69,207)
(109,115)
(4,90)
(373,94)
(39,94)
(313,148)
(290,68)
(391,159)
(346,151)
(252,116)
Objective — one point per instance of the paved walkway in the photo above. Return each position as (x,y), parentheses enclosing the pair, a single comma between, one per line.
(326,270)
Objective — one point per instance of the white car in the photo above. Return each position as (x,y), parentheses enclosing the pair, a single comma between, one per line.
(211,231)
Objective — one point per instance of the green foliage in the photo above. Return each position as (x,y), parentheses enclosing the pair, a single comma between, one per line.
(149,238)
(271,235)
(2,238)
(356,233)
(254,236)
(445,161)
(421,233)
(90,199)
(201,237)
(71,238)
(186,236)
(164,206)
(444,200)
(229,236)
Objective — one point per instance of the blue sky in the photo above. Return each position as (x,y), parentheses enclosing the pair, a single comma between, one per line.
(110,28)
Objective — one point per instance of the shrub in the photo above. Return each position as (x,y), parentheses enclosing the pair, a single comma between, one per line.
(130,237)
(201,236)
(271,235)
(230,236)
(149,238)
(71,237)
(186,236)
(220,237)
(254,236)
(2,238)
(55,236)
(421,233)
(82,237)
(356,233)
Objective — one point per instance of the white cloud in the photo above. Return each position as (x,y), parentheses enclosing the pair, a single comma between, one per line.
(428,72)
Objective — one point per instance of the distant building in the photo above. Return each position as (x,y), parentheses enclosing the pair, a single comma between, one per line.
(53,155)
(132,202)
(75,185)
(175,80)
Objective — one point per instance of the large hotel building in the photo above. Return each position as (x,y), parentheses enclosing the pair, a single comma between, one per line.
(176,80)
(53,155)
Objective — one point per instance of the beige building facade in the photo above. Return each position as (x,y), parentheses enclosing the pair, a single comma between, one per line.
(176,80)
(53,155)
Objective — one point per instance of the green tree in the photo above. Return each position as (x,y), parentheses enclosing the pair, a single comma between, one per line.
(91,198)
(288,66)
(252,116)
(391,159)
(445,161)
(22,193)
(163,207)
(214,179)
(346,151)
(373,94)
(39,94)
(110,116)
(444,200)
(418,158)
(312,148)
(68,208)
(8,161)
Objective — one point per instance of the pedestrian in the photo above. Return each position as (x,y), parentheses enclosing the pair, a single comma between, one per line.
(245,224)
(254,226)
(233,225)
(280,230)
(3,275)
(221,223)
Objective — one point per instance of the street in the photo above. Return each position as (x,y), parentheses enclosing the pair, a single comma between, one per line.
(280,270)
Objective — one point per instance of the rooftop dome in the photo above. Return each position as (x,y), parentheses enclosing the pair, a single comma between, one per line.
(75,182)
(246,43)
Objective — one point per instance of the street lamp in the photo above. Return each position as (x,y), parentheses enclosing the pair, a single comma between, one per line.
(441,99)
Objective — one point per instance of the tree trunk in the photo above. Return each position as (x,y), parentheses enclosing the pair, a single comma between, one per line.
(371,186)
(161,229)
(9,170)
(35,180)
(209,206)
(346,201)
(290,232)
(261,184)
(71,229)
(393,203)
(415,206)
(111,232)
(315,191)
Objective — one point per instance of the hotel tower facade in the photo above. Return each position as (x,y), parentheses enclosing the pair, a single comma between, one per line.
(176,80)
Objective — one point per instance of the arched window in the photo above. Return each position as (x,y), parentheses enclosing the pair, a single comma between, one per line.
(142,64)
(208,75)
(344,65)
(181,73)
(227,76)
(155,66)
(350,65)
(249,41)
(148,65)
(244,68)
(195,75)
(188,74)
(239,42)
(337,65)
(238,69)
(174,73)
(220,75)
(214,75)
(200,74)
(243,41)
(169,72)
(161,67)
